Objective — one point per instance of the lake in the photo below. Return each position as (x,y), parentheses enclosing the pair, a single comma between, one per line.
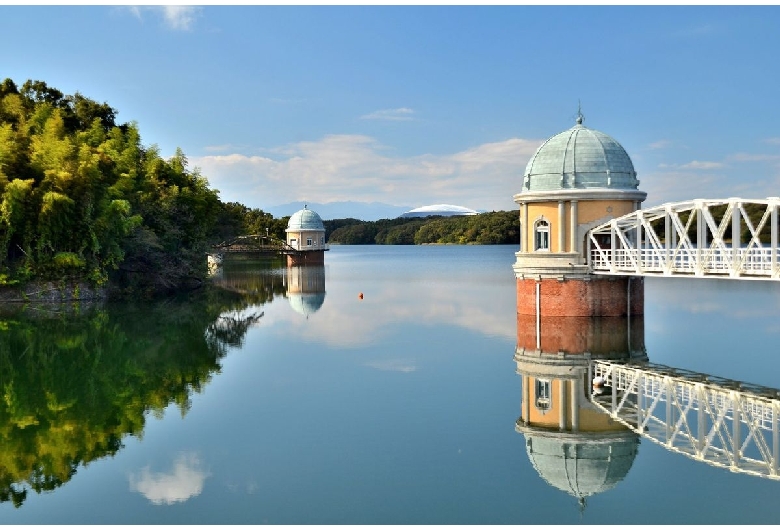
(291,399)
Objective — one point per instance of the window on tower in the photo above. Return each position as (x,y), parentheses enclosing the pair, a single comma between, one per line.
(542,235)
(543,394)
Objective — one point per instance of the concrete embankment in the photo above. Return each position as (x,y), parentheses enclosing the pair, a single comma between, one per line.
(51,292)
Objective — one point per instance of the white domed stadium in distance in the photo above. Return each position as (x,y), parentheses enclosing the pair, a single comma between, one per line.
(445,210)
(305,238)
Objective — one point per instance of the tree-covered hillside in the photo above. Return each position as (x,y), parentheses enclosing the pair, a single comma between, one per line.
(82,199)
(494,228)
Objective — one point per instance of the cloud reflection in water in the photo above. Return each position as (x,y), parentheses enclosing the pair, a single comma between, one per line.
(183,481)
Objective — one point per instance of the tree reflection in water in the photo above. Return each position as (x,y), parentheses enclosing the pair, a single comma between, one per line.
(76,380)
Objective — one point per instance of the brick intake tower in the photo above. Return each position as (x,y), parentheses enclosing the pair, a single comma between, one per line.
(576,180)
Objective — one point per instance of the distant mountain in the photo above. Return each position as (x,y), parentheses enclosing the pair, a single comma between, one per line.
(365,211)
(445,210)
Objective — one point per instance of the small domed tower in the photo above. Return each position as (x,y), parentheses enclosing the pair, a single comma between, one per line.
(576,180)
(305,238)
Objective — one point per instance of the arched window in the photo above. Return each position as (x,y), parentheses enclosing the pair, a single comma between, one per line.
(543,394)
(542,235)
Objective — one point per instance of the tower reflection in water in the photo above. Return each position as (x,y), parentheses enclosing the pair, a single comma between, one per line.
(574,445)
(306,288)
(261,280)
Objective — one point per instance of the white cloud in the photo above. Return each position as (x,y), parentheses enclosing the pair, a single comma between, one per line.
(746,175)
(135,11)
(176,17)
(183,481)
(698,164)
(752,157)
(673,184)
(180,17)
(660,144)
(402,114)
(393,365)
(358,168)
(773,141)
(484,177)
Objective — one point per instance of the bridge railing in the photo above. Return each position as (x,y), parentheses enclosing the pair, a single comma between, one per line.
(753,261)
(729,238)
(302,248)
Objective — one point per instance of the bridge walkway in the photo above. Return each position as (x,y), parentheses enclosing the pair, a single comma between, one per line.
(724,238)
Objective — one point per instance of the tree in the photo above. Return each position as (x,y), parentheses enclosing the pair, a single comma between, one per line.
(83,199)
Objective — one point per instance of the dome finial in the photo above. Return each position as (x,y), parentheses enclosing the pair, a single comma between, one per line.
(580,116)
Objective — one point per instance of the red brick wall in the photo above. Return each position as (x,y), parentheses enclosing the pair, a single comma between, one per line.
(598,297)
(574,335)
(311,257)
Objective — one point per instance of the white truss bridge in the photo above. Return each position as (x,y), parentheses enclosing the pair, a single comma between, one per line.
(723,423)
(699,238)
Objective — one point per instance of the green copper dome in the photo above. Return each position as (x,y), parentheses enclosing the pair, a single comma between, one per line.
(580,158)
(305,220)
(306,303)
(583,467)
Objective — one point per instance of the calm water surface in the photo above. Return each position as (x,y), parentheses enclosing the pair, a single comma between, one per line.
(291,400)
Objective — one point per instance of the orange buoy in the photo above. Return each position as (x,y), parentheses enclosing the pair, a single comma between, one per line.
(360,296)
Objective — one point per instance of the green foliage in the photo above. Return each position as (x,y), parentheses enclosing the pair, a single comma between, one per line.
(80,195)
(334,224)
(363,233)
(69,260)
(235,219)
(494,228)
(74,384)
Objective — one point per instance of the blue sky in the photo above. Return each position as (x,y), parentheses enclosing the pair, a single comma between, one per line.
(413,105)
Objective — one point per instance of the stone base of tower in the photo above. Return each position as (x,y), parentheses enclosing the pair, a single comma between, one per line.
(593,296)
(309,257)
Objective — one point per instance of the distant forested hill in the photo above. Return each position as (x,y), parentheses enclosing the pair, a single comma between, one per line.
(493,228)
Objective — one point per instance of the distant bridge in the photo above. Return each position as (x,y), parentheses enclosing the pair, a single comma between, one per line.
(254,245)
(698,238)
(720,422)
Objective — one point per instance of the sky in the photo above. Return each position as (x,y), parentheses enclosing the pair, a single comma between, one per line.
(410,105)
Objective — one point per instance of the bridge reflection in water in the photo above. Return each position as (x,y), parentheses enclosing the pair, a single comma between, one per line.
(720,422)
(585,443)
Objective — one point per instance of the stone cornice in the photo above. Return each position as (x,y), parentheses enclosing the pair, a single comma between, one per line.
(538,265)
(593,194)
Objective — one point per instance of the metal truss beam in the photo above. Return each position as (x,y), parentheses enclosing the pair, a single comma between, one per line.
(699,238)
